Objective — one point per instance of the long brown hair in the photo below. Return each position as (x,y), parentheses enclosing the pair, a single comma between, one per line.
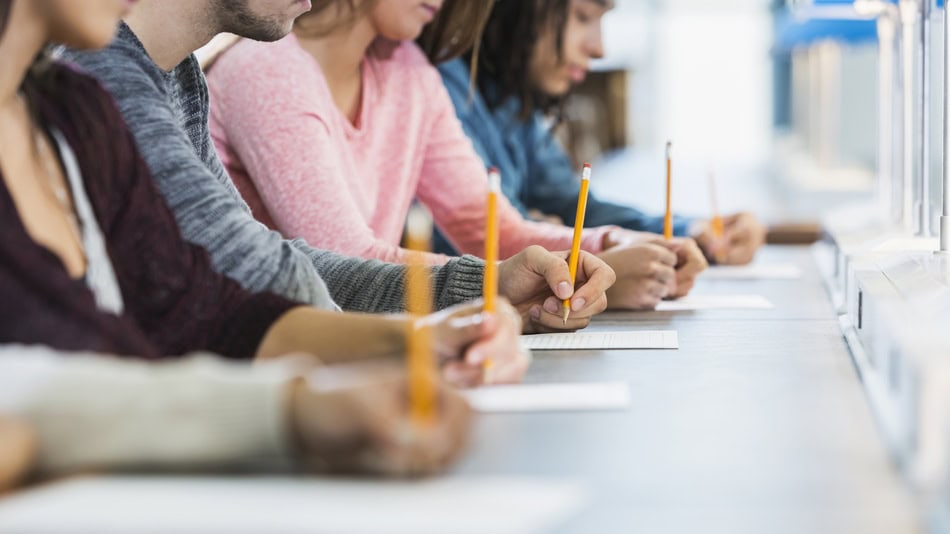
(456,29)
(510,37)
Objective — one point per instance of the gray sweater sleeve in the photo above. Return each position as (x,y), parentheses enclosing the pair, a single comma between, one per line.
(211,213)
(458,281)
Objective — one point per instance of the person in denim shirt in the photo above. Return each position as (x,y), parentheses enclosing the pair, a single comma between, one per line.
(507,119)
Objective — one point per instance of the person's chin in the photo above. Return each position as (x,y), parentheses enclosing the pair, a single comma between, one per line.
(558,89)
(408,33)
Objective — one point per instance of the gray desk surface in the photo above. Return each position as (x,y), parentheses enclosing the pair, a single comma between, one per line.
(757,424)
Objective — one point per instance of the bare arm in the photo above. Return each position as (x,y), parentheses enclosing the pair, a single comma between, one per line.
(334,337)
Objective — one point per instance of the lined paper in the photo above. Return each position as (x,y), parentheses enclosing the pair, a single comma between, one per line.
(716,302)
(756,271)
(550,397)
(635,339)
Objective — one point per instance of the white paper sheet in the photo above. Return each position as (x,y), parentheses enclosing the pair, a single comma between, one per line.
(716,302)
(637,339)
(756,271)
(550,397)
(255,505)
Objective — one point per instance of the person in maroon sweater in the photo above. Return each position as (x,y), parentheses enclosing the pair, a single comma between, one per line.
(173,301)
(91,259)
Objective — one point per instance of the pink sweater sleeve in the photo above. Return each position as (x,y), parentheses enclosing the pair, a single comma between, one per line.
(273,124)
(454,186)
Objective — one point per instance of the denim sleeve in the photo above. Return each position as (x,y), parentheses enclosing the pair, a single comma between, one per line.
(552,187)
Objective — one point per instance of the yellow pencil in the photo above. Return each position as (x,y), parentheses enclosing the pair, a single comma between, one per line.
(715,224)
(668,218)
(420,357)
(490,286)
(578,230)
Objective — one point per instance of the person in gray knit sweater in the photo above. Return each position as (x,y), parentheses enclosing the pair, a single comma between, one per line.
(153,74)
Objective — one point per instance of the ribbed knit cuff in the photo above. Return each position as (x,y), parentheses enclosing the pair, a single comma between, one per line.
(460,280)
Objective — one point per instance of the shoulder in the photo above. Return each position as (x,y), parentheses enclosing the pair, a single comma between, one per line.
(406,65)
(253,60)
(70,94)
(456,75)
(123,61)
(258,70)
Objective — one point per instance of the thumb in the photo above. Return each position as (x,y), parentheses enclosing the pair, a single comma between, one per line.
(673,245)
(458,333)
(468,331)
(555,272)
(489,327)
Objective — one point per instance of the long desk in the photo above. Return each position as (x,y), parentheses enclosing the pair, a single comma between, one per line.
(758,423)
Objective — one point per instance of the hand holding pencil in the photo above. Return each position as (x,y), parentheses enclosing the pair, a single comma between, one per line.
(731,240)
(364,428)
(578,233)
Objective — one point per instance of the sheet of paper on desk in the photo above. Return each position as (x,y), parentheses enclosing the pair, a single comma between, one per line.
(550,397)
(256,505)
(756,271)
(716,302)
(637,339)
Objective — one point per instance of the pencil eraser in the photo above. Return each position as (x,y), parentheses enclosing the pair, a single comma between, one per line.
(669,149)
(587,165)
(585,174)
(494,180)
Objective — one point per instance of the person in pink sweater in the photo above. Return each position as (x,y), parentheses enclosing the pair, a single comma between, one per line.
(333,131)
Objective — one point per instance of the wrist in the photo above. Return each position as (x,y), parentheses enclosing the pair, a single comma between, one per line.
(294,392)
(395,335)
(697,228)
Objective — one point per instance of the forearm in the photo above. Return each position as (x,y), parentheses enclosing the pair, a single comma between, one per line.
(373,286)
(104,412)
(334,337)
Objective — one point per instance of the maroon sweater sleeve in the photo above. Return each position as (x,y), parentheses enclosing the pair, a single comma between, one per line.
(170,289)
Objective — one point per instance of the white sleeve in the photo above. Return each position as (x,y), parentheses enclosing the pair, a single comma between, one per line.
(92,411)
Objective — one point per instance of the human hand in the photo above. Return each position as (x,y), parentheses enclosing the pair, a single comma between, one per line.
(536,281)
(465,336)
(742,236)
(622,237)
(645,274)
(540,216)
(365,428)
(690,262)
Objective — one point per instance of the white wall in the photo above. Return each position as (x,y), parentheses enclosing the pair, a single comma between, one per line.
(702,74)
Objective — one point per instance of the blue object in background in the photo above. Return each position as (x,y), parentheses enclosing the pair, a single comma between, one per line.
(794,33)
